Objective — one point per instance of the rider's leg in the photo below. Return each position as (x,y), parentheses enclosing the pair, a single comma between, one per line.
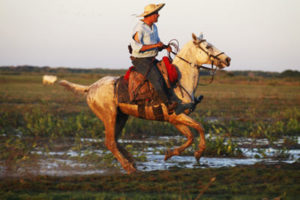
(146,67)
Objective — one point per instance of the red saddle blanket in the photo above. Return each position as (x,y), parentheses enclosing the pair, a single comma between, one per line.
(171,69)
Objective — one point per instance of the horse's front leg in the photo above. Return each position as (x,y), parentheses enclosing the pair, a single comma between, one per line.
(185,131)
(186,120)
(202,144)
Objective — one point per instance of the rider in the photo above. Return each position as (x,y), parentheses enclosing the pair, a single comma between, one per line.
(145,44)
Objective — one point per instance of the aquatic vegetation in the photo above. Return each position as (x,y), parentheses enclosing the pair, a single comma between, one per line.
(15,151)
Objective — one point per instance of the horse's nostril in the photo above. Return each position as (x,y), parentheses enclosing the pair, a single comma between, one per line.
(228,59)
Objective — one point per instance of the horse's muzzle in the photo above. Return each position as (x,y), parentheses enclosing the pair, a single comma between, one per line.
(226,62)
(228,59)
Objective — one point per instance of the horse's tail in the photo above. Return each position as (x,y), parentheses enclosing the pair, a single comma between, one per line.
(76,88)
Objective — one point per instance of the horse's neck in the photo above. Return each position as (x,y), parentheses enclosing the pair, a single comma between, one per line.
(188,74)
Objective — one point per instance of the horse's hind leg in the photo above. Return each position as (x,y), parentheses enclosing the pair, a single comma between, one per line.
(120,123)
(112,129)
(114,123)
(185,131)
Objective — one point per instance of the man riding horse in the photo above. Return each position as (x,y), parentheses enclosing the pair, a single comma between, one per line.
(146,44)
(104,100)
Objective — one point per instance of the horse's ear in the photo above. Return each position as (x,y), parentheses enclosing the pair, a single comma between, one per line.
(201,36)
(194,37)
(197,39)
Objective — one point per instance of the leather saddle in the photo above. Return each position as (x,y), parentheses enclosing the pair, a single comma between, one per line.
(139,89)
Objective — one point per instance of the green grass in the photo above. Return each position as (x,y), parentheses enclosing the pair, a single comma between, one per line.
(244,182)
(231,101)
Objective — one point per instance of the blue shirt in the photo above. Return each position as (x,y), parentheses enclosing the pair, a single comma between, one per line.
(147,35)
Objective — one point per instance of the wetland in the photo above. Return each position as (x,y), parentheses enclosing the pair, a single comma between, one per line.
(52,147)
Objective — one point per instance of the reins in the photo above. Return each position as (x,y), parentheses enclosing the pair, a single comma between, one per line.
(212,69)
(174,43)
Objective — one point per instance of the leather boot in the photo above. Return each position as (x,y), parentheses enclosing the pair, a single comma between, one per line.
(171,107)
(173,102)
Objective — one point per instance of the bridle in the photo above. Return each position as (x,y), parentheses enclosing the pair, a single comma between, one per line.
(215,57)
(174,43)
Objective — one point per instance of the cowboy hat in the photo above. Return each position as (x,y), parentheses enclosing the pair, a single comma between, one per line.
(151,8)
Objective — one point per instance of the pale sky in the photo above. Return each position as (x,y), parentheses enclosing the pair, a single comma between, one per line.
(256,34)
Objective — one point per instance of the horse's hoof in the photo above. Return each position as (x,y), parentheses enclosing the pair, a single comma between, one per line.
(168,155)
(197,156)
(131,170)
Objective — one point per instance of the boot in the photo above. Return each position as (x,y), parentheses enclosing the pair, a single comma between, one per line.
(191,106)
(173,101)
(173,97)
(171,107)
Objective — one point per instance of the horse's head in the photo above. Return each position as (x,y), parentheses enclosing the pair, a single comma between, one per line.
(209,54)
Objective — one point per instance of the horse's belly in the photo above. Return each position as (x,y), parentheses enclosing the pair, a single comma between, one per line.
(146,112)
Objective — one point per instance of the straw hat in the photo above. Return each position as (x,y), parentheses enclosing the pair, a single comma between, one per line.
(151,8)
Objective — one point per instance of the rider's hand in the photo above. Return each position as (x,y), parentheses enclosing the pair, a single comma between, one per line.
(169,49)
(160,45)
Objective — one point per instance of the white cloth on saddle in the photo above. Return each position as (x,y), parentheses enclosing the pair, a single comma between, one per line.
(147,35)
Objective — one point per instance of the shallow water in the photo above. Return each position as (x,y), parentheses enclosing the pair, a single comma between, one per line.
(71,162)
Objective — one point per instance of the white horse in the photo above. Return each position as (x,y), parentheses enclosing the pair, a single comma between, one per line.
(103,102)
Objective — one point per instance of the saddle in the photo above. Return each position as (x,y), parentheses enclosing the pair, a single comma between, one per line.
(134,88)
(140,89)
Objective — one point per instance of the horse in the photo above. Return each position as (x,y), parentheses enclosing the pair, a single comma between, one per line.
(102,100)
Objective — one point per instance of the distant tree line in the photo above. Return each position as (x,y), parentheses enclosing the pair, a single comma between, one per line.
(59,70)
(290,73)
(256,73)
(117,72)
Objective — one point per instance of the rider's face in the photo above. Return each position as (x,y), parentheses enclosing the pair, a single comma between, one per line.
(155,17)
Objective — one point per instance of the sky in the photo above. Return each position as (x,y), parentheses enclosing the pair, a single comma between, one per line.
(257,34)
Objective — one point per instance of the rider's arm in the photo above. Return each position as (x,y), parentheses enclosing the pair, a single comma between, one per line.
(147,47)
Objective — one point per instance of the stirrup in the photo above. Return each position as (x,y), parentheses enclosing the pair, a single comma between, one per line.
(191,106)
(182,107)
(171,107)
(198,99)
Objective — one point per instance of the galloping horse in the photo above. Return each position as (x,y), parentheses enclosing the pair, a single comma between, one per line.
(103,102)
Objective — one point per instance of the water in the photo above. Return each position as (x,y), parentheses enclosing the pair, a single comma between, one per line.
(74,162)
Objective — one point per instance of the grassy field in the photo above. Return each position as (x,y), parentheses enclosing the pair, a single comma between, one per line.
(244,106)
(35,116)
(279,181)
